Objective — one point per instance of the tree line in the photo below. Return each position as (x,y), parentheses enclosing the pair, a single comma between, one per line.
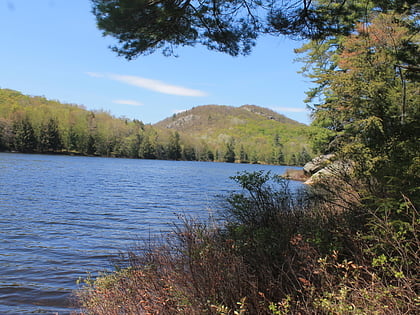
(37,125)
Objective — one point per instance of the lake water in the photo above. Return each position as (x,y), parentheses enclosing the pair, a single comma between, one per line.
(63,216)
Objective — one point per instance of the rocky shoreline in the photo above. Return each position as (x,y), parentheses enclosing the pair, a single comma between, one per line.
(319,167)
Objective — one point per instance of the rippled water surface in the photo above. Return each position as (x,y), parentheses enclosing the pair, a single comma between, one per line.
(62,217)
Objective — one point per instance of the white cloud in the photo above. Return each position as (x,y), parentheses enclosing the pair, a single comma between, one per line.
(149,84)
(290,109)
(128,102)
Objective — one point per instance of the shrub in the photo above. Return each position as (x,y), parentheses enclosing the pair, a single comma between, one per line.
(193,271)
(278,252)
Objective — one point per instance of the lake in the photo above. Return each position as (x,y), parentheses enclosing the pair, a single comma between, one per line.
(62,217)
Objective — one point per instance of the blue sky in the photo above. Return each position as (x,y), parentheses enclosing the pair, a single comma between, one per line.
(52,48)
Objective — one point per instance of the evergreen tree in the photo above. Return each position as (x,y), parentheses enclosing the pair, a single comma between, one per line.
(210,155)
(230,26)
(280,157)
(147,149)
(54,135)
(134,146)
(6,135)
(24,136)
(277,141)
(294,159)
(369,100)
(188,153)
(91,145)
(49,138)
(174,147)
(243,156)
(73,140)
(230,152)
(304,157)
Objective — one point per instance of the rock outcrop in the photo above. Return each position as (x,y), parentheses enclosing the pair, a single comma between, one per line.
(325,166)
(318,163)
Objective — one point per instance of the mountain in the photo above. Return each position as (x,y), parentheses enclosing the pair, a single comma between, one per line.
(254,133)
(209,116)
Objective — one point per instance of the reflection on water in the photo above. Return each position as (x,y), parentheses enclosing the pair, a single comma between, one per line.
(63,216)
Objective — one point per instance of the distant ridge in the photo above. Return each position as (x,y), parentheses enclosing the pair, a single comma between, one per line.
(259,133)
(221,116)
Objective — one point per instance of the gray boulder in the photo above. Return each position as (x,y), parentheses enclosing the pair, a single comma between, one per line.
(326,166)
(318,163)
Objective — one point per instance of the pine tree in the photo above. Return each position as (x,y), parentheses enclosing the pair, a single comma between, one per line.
(24,136)
(49,139)
(147,149)
(230,152)
(243,156)
(174,147)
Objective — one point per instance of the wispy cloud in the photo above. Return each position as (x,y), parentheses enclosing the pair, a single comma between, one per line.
(128,102)
(95,74)
(150,84)
(290,109)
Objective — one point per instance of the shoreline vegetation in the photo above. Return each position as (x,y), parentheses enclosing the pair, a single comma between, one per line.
(315,251)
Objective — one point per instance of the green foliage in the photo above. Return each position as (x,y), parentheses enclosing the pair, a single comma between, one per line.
(367,101)
(142,26)
(277,252)
(147,149)
(230,26)
(49,138)
(261,201)
(188,153)
(6,134)
(230,152)
(24,136)
(267,223)
(174,147)
(260,135)
(320,138)
(35,124)
(90,146)
(366,97)
(243,156)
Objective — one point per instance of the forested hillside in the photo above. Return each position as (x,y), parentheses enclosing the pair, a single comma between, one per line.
(35,124)
(248,133)
(209,133)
